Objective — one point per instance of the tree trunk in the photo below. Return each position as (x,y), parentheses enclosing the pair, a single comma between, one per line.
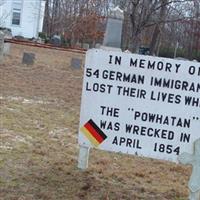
(157,30)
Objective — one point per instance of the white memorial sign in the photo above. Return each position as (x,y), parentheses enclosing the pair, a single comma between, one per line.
(143,105)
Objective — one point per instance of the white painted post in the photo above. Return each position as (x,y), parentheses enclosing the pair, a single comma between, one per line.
(194,160)
(194,195)
(83,157)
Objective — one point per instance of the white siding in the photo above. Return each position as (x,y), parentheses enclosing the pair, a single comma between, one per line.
(5,14)
(32,15)
(41,17)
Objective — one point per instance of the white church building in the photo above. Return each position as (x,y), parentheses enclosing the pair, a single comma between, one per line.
(23,17)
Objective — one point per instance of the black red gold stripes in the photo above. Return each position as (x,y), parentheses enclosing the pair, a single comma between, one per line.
(93,133)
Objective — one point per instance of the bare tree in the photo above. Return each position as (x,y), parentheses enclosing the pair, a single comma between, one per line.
(152,23)
(151,16)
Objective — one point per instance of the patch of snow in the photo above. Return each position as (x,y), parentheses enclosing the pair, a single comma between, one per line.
(58,131)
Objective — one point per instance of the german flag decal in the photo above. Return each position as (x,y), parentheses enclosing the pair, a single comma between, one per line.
(93,133)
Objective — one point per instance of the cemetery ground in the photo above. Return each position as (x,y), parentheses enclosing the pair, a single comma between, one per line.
(38,140)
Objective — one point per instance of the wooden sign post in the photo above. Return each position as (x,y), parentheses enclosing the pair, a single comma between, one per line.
(83,157)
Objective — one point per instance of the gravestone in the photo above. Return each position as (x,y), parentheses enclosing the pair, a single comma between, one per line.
(144,51)
(19,37)
(1,45)
(86,46)
(78,45)
(7,35)
(76,63)
(56,40)
(28,58)
(112,37)
(97,46)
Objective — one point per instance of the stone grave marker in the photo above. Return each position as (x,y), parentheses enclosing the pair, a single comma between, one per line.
(7,35)
(86,46)
(1,45)
(97,46)
(76,63)
(28,58)
(56,40)
(113,33)
(78,45)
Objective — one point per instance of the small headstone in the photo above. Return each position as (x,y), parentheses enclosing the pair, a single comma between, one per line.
(7,35)
(56,40)
(86,46)
(97,46)
(6,49)
(28,58)
(19,37)
(144,51)
(1,45)
(76,63)
(41,41)
(194,160)
(78,45)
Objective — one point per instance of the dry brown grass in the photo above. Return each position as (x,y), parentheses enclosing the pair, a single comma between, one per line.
(38,141)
